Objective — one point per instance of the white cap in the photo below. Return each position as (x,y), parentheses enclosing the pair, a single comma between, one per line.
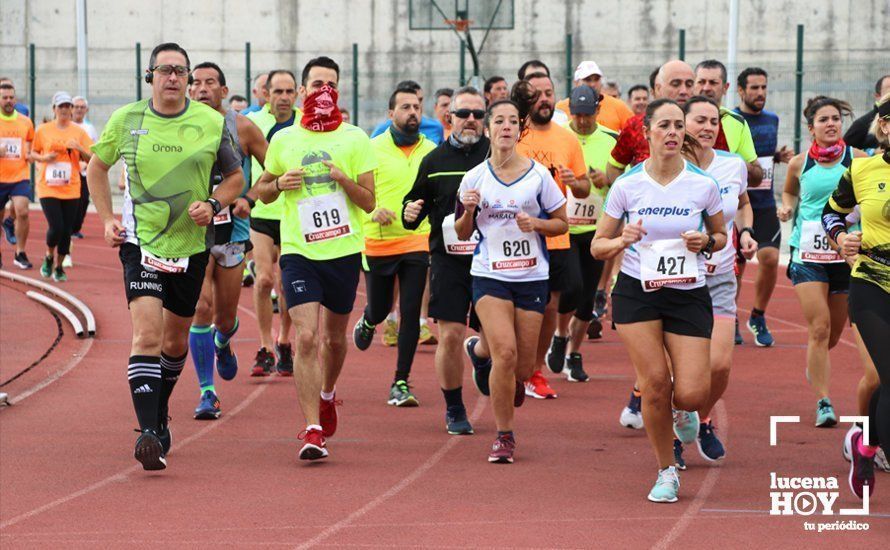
(587,68)
(61,98)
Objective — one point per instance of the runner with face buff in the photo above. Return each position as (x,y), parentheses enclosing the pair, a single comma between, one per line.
(324,169)
(672,215)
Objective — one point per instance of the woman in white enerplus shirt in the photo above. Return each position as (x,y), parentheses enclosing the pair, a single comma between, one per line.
(660,300)
(731,173)
(514,203)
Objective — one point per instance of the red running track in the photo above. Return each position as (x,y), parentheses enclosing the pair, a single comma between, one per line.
(395,478)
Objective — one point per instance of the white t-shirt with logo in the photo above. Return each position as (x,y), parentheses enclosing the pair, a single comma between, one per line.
(731,174)
(504,251)
(667,211)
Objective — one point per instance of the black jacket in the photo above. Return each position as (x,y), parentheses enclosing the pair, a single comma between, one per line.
(858,135)
(438,179)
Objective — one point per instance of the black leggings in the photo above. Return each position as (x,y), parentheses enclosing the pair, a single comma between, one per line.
(581,300)
(82,206)
(60,215)
(380,281)
(870,310)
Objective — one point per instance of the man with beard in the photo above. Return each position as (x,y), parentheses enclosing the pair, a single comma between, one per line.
(752,90)
(324,170)
(433,196)
(429,127)
(216,319)
(391,250)
(560,152)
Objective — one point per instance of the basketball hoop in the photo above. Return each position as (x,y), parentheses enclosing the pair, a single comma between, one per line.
(460,25)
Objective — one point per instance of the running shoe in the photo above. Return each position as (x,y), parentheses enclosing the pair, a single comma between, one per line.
(502,449)
(313,444)
(400,395)
(390,333)
(59,275)
(456,421)
(9,230)
(427,338)
(68,262)
(738,335)
(762,336)
(631,415)
(667,486)
(600,303)
(678,455)
(248,276)
(686,425)
(165,435)
(21,261)
(862,468)
(327,415)
(574,368)
(208,407)
(537,387)
(149,451)
(709,445)
(481,367)
(363,334)
(848,455)
(285,364)
(46,268)
(226,360)
(825,417)
(77,235)
(263,363)
(556,354)
(595,328)
(274,296)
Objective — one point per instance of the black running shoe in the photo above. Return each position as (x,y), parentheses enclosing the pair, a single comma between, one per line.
(263,363)
(150,451)
(285,364)
(556,354)
(363,334)
(456,421)
(21,261)
(595,328)
(678,455)
(574,369)
(481,367)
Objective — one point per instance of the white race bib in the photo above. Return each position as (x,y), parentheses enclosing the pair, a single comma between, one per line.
(510,249)
(666,262)
(453,245)
(766,184)
(224,216)
(165,265)
(13,147)
(58,174)
(324,218)
(814,245)
(584,211)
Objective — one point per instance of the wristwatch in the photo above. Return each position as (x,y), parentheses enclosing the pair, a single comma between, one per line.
(214,204)
(250,202)
(709,246)
(747,230)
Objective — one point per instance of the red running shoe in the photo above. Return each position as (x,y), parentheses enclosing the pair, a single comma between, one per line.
(313,446)
(502,450)
(537,387)
(327,415)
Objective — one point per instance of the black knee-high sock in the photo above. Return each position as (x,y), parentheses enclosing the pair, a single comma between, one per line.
(144,374)
(171,368)
(453,398)
(873,437)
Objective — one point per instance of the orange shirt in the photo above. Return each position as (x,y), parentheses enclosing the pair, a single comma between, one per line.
(60,178)
(613,112)
(17,133)
(555,148)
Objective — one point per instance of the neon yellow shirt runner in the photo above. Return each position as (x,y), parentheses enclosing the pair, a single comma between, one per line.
(597,147)
(738,135)
(265,121)
(167,165)
(318,220)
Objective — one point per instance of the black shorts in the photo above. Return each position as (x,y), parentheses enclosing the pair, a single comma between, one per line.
(451,290)
(271,228)
(178,291)
(332,283)
(565,271)
(683,312)
(767,229)
(527,295)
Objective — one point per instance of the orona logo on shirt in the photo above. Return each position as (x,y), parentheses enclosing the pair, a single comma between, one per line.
(664,211)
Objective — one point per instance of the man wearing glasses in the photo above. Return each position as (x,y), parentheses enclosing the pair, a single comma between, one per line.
(434,195)
(169,145)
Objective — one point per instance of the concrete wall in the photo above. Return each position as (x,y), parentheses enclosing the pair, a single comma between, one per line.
(846,42)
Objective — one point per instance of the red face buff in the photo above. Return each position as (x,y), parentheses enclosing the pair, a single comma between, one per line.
(320,111)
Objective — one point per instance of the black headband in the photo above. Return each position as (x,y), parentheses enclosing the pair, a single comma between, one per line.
(884,109)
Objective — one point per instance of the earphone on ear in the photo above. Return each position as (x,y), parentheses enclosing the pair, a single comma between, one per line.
(150,76)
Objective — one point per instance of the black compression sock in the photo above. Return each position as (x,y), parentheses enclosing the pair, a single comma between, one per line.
(401,376)
(144,374)
(171,368)
(757,312)
(454,398)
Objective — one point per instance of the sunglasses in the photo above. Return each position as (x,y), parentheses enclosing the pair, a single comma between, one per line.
(478,114)
(167,70)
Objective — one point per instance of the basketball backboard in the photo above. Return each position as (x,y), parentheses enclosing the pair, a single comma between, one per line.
(483,14)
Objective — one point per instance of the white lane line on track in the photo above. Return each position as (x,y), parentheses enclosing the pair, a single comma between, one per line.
(122,475)
(85,347)
(398,487)
(704,491)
